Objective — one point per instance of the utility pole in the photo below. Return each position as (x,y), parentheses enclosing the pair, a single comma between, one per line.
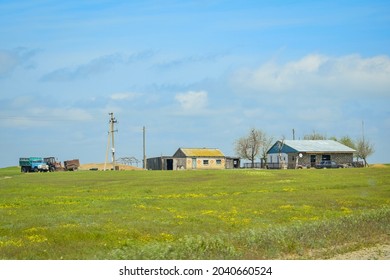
(144,145)
(111,131)
(293,131)
(112,122)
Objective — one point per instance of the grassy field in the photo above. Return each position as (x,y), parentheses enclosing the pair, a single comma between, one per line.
(235,214)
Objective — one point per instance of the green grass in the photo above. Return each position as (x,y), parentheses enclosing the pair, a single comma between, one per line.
(236,214)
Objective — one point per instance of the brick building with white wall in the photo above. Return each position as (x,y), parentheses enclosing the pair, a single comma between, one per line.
(194,158)
(294,153)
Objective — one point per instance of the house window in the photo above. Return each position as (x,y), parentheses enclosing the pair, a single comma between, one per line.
(219,162)
(325,157)
(205,162)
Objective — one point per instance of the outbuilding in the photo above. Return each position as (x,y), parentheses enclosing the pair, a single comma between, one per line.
(295,153)
(200,158)
(162,163)
(194,158)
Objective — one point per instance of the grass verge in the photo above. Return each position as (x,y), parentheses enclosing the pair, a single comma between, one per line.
(315,240)
(236,214)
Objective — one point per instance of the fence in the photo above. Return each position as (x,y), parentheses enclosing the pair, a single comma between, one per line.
(255,165)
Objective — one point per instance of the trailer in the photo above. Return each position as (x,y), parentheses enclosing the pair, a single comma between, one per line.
(71,165)
(33,164)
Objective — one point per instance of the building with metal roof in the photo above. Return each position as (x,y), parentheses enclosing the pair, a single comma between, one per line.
(298,153)
(194,158)
(201,158)
(198,152)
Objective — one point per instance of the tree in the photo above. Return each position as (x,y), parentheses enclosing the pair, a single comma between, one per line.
(314,136)
(250,146)
(347,141)
(267,144)
(364,149)
(362,146)
(280,146)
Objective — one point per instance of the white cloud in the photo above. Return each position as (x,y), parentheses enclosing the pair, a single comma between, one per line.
(43,116)
(192,101)
(10,59)
(7,62)
(176,62)
(71,114)
(125,96)
(318,73)
(98,65)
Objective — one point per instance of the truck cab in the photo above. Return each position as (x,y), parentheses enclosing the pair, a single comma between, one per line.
(33,164)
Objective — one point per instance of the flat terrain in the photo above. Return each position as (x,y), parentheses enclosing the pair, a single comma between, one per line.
(108,166)
(226,214)
(378,252)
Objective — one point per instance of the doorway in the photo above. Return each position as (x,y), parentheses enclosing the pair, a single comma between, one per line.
(194,163)
(169,164)
(313,160)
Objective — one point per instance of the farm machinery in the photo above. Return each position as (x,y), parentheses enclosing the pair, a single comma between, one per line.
(71,165)
(33,164)
(38,164)
(53,164)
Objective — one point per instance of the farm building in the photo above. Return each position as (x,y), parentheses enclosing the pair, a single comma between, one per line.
(162,163)
(194,158)
(294,153)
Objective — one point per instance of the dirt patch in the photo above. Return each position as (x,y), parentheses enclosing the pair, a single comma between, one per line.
(378,252)
(379,165)
(100,166)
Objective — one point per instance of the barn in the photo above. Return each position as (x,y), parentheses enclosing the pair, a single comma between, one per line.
(194,158)
(294,153)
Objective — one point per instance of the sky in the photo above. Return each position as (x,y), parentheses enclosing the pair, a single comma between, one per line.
(194,73)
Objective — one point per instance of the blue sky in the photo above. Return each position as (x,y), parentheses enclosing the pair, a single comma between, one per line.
(195,73)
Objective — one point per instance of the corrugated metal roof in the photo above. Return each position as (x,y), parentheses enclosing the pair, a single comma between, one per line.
(318,146)
(202,152)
